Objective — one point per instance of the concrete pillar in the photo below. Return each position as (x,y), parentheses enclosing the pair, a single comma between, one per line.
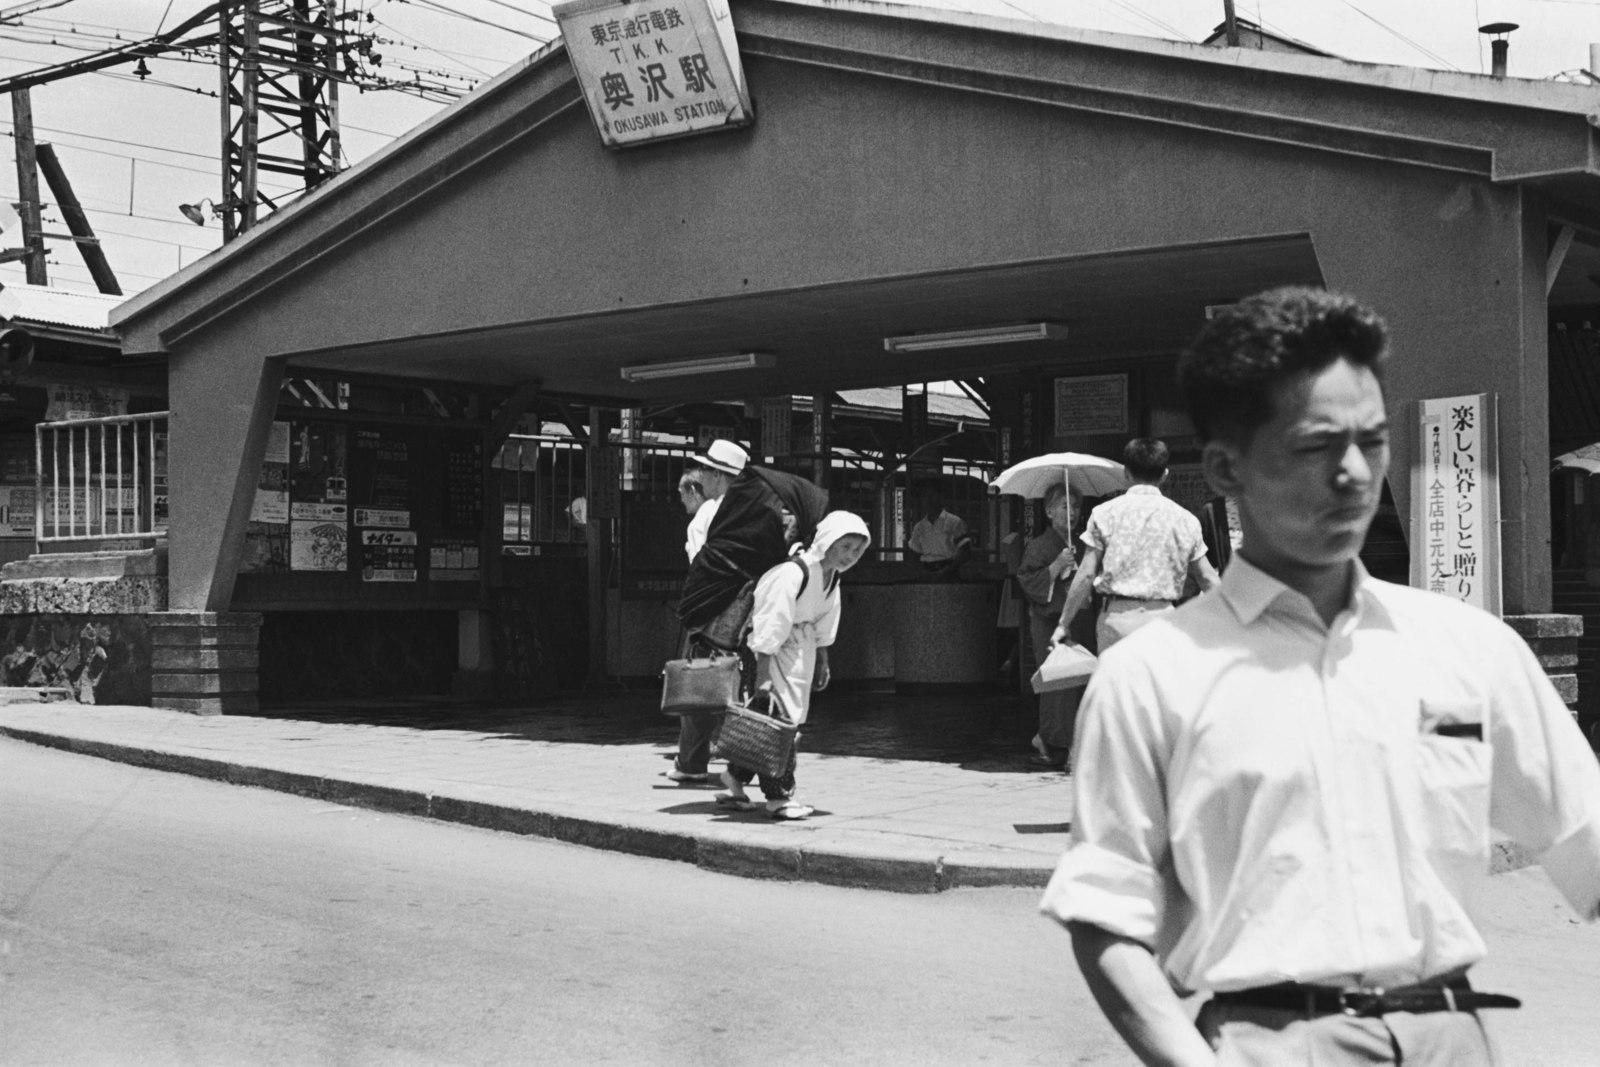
(1464,295)
(205,662)
(474,675)
(222,405)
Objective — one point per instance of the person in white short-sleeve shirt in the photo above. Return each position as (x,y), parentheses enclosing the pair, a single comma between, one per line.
(1285,789)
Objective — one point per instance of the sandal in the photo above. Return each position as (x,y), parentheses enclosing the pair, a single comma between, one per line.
(735,801)
(790,811)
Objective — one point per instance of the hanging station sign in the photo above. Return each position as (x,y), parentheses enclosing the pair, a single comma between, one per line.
(654,69)
(1455,500)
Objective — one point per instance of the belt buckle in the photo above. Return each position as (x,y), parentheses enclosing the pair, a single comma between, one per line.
(1360,1002)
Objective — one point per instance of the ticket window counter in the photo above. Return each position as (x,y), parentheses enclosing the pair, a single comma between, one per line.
(902,627)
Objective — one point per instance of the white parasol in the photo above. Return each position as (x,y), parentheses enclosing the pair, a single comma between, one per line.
(1090,475)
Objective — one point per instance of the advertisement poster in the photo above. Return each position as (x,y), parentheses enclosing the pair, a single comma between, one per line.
(383,517)
(380,471)
(266,536)
(453,560)
(76,400)
(318,473)
(1455,500)
(388,555)
(317,545)
(16,510)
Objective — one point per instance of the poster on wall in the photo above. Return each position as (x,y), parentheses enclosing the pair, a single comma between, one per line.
(388,555)
(318,545)
(1093,404)
(76,400)
(380,476)
(1455,500)
(17,510)
(318,471)
(453,559)
(266,535)
(318,497)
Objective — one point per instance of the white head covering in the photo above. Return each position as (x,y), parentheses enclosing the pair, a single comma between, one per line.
(834,525)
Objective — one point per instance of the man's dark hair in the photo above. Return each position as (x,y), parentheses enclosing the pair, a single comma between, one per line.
(1229,371)
(1146,458)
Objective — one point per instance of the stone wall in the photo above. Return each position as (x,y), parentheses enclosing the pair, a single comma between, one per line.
(1554,640)
(99,659)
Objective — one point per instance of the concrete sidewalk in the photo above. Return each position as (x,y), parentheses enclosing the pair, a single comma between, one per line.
(903,825)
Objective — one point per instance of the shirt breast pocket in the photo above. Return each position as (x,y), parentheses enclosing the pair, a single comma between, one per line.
(1454,770)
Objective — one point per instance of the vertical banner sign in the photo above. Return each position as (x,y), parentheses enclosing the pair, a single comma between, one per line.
(777,425)
(605,494)
(1455,500)
(656,68)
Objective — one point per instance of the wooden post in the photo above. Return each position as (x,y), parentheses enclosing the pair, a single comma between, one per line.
(595,539)
(94,257)
(821,437)
(28,206)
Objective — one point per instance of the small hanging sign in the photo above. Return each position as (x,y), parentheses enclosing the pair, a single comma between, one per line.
(654,69)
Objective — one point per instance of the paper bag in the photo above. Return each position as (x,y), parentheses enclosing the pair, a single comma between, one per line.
(1067,666)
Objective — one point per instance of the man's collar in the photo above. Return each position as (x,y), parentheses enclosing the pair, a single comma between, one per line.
(1249,590)
(1144,489)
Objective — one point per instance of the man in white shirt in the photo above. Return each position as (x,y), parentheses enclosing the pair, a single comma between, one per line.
(1285,790)
(1140,549)
(713,470)
(940,539)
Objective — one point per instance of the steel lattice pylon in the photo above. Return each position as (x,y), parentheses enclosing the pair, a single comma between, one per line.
(280,99)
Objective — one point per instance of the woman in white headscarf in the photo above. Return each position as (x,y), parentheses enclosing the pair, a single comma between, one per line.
(795,620)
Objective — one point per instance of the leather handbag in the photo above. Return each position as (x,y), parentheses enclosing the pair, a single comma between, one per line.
(700,685)
(1067,666)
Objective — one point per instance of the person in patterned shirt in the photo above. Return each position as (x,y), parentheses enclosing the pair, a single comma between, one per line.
(1139,549)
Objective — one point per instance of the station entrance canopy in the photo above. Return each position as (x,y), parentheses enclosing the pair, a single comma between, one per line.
(907,171)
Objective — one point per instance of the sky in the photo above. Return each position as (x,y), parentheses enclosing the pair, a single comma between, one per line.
(134,150)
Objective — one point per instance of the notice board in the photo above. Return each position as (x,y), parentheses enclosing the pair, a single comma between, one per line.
(376,503)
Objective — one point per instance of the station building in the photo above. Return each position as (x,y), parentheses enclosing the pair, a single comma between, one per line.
(345,377)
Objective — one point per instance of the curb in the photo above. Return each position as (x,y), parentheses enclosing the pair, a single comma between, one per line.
(887,868)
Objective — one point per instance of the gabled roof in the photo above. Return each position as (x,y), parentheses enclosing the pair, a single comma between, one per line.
(1253,36)
(1500,130)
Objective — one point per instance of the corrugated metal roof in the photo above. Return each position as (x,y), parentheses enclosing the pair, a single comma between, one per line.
(57,307)
(944,404)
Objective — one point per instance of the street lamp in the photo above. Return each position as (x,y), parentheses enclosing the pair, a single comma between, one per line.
(196,214)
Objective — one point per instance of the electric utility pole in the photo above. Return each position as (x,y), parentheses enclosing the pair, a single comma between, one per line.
(280,99)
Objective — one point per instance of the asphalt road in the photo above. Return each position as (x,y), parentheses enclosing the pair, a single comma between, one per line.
(150,918)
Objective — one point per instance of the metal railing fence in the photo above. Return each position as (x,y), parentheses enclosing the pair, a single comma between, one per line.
(101,478)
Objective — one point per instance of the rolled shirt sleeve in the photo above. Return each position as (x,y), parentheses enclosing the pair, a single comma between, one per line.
(1545,790)
(1116,872)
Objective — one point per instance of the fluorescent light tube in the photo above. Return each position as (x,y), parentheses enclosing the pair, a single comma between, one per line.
(680,368)
(979,335)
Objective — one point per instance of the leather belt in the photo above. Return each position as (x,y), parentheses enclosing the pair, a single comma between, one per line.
(1330,1000)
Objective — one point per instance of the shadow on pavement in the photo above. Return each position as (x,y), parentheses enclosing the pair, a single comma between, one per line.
(984,730)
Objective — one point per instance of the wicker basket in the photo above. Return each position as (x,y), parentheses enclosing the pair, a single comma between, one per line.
(755,740)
